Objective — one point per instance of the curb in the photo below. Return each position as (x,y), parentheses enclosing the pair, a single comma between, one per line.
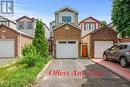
(123,77)
(43,70)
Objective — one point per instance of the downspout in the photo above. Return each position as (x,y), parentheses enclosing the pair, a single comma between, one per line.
(20,45)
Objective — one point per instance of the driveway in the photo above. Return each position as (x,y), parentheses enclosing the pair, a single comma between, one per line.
(6,61)
(68,73)
(115,67)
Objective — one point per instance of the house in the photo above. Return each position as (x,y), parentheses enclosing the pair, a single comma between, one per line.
(88,25)
(98,41)
(7,22)
(12,41)
(66,34)
(28,25)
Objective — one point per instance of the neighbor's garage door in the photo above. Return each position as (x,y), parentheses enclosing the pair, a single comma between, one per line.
(6,48)
(100,47)
(67,49)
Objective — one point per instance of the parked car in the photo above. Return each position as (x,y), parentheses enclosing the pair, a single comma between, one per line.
(119,52)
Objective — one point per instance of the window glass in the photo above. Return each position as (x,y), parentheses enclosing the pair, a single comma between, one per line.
(121,47)
(71,42)
(29,24)
(62,42)
(114,47)
(21,25)
(66,19)
(90,26)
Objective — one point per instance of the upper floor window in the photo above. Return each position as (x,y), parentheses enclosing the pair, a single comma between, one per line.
(66,19)
(3,22)
(29,25)
(21,25)
(90,26)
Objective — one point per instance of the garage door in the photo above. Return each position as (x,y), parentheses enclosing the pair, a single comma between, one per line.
(100,47)
(67,49)
(6,48)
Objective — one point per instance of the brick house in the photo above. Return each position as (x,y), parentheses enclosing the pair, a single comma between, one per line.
(14,36)
(98,41)
(12,41)
(66,34)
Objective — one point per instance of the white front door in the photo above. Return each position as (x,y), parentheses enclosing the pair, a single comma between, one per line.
(6,48)
(67,49)
(100,47)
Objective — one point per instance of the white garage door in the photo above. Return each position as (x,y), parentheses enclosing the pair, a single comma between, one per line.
(67,49)
(100,47)
(6,48)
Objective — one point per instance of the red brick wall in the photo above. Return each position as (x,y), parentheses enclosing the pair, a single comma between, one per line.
(124,40)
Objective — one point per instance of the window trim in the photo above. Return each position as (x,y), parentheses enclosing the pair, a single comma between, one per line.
(66,17)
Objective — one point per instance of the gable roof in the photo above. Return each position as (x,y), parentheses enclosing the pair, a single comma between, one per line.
(77,27)
(17,31)
(25,17)
(8,19)
(73,10)
(95,31)
(90,18)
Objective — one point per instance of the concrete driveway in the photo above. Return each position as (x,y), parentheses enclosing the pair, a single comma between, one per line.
(68,73)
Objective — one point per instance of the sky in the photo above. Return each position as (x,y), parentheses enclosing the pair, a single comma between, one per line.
(44,9)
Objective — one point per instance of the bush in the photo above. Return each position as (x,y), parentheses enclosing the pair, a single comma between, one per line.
(29,49)
(30,56)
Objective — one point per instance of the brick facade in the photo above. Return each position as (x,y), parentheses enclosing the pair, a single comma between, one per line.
(8,33)
(99,35)
(72,33)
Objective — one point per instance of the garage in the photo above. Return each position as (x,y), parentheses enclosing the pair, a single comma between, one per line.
(12,41)
(7,47)
(99,40)
(100,47)
(67,49)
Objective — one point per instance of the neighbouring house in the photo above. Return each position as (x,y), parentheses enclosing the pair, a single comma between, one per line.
(66,34)
(28,25)
(88,25)
(7,22)
(98,41)
(12,41)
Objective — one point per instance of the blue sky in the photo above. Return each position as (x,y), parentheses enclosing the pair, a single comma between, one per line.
(99,9)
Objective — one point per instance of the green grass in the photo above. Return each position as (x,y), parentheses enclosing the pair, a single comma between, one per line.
(17,75)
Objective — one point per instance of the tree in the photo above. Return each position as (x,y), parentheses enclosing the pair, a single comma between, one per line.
(39,40)
(103,24)
(121,17)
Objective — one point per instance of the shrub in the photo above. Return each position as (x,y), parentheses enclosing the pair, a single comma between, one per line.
(30,56)
(29,49)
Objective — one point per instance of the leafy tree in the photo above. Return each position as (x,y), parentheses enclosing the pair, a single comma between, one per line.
(39,40)
(121,17)
(103,24)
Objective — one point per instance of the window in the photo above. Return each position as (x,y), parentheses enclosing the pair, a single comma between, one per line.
(21,25)
(90,26)
(66,19)
(114,47)
(121,47)
(3,22)
(62,42)
(29,24)
(71,42)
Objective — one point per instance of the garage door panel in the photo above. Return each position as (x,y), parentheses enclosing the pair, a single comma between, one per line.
(7,47)
(67,50)
(100,47)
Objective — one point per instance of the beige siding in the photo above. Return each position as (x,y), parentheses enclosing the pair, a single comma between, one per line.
(86,40)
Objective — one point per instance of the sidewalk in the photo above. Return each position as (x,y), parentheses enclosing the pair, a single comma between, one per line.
(114,67)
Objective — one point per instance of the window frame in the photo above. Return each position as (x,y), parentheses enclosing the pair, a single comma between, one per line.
(65,19)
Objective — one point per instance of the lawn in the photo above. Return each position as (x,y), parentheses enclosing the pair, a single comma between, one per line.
(16,75)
